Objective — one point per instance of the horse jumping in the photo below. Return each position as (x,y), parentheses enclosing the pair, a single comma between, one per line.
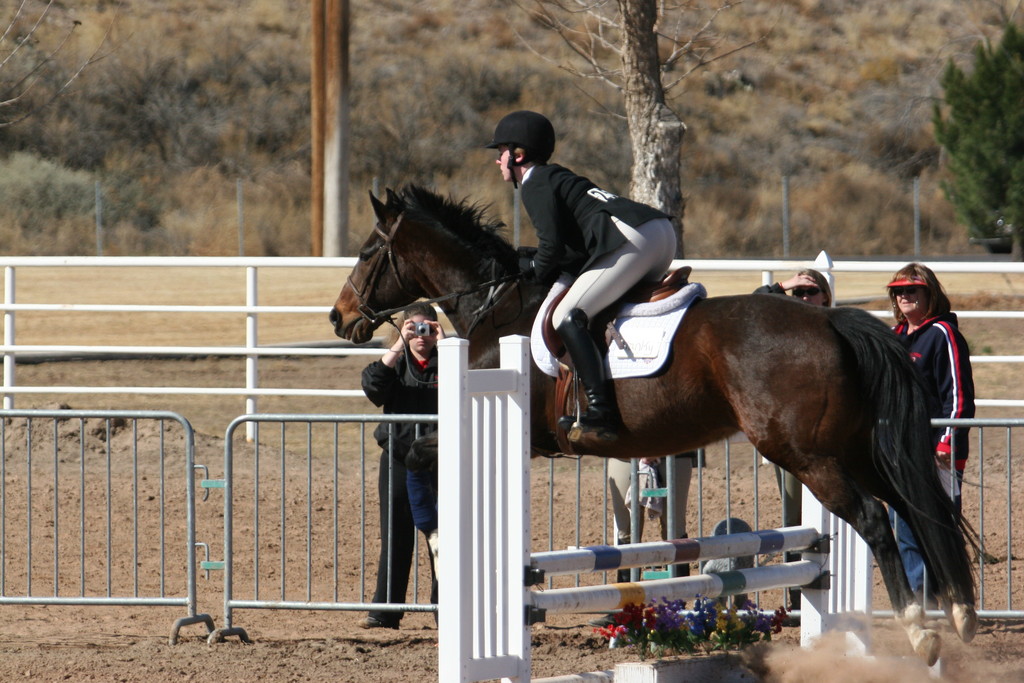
(826,393)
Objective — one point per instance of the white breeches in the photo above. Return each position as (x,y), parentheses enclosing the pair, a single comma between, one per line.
(646,255)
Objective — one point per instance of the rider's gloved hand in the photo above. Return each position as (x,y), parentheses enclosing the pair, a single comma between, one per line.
(526,268)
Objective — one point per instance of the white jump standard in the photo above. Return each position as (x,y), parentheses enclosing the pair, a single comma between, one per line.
(486,604)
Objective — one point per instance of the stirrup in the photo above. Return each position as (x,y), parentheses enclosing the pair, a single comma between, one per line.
(603,428)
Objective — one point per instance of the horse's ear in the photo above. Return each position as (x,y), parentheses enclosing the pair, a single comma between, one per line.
(378,207)
(393,199)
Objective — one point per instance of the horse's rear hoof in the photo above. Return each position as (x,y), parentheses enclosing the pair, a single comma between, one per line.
(926,644)
(965,621)
(924,641)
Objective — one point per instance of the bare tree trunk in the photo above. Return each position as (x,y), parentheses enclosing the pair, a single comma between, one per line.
(655,130)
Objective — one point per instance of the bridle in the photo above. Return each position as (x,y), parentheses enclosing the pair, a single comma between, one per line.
(385,255)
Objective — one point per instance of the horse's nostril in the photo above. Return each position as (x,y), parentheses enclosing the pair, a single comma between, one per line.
(333,316)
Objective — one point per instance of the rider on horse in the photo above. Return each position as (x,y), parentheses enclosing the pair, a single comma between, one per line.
(606,243)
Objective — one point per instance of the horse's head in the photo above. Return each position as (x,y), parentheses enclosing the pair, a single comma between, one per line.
(425,246)
(381,280)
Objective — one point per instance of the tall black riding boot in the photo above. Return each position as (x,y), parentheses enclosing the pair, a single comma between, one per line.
(601,418)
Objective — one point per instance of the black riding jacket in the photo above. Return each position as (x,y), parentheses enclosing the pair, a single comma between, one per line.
(573,220)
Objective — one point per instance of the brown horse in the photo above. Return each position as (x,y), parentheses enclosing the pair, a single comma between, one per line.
(826,393)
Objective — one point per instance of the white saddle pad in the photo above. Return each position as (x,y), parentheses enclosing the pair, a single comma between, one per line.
(647,329)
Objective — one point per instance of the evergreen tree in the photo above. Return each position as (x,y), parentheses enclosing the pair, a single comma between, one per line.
(983,134)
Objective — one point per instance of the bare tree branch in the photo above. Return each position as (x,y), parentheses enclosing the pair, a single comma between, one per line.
(585,44)
(701,63)
(689,45)
(619,43)
(592,30)
(18,88)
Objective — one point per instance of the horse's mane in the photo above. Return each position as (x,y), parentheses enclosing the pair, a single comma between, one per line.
(467,222)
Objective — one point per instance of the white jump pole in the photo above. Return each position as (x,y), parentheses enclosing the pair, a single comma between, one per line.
(604,557)
(617,595)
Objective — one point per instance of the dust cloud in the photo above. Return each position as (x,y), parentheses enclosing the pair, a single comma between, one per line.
(892,662)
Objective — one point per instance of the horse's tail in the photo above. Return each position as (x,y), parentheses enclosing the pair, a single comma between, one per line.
(903,453)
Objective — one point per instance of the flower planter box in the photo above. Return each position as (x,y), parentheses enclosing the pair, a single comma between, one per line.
(715,668)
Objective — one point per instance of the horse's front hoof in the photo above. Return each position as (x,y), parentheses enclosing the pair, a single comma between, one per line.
(965,621)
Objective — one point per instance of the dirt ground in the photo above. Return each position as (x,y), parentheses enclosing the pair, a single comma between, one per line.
(297,508)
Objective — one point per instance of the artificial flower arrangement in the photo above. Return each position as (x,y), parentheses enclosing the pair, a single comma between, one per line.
(665,628)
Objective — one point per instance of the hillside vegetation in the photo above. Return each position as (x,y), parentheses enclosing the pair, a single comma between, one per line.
(193,100)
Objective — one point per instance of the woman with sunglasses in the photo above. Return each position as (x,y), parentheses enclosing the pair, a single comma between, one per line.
(929,330)
(808,285)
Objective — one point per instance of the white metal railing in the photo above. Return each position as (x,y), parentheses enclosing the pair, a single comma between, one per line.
(251,350)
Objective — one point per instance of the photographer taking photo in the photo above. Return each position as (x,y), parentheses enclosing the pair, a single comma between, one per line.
(404,381)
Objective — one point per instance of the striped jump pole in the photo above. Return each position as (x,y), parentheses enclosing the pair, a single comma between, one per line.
(599,558)
(617,595)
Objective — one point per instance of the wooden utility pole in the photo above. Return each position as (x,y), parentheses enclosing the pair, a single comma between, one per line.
(316,127)
(329,125)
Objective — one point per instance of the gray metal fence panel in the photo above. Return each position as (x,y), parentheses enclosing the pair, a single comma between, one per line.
(292,470)
(92,513)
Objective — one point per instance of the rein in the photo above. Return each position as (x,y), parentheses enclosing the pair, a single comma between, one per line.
(493,298)
(378,317)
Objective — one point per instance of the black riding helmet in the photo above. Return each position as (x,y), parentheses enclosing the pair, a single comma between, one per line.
(528,130)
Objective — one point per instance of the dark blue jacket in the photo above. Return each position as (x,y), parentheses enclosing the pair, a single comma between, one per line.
(572,217)
(940,353)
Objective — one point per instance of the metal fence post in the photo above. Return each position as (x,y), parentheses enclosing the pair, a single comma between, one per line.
(99,220)
(785,216)
(251,342)
(9,357)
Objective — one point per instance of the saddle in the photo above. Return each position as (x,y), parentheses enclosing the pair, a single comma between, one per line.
(567,393)
(642,292)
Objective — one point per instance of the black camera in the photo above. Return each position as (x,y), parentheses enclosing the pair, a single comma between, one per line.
(423,330)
